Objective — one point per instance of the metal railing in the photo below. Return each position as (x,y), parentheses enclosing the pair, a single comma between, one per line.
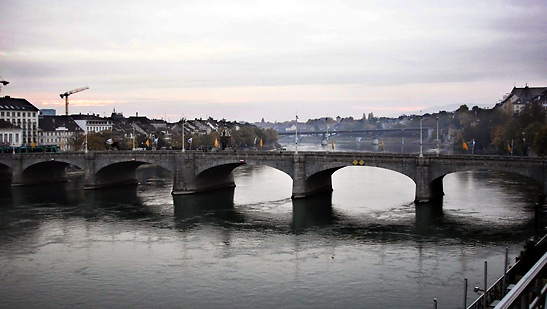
(499,294)
(530,291)
(497,290)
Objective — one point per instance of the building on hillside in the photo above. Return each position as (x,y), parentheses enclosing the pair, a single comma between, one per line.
(21,113)
(10,135)
(121,127)
(92,123)
(518,98)
(159,123)
(162,128)
(141,122)
(542,99)
(200,128)
(59,130)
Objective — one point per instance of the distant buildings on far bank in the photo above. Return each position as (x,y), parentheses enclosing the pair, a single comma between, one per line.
(512,102)
(21,123)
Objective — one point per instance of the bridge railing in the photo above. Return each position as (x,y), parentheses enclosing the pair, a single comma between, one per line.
(501,291)
(497,291)
(285,152)
(530,291)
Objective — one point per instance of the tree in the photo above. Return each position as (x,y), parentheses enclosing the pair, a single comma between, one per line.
(540,141)
(533,112)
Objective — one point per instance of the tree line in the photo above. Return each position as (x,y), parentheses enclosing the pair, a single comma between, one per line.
(496,131)
(246,137)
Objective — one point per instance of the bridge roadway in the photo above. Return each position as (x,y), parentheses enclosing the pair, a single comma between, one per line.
(311,172)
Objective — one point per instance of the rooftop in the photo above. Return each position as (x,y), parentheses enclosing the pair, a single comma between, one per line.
(9,103)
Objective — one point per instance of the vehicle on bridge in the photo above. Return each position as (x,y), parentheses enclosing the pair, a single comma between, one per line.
(30,149)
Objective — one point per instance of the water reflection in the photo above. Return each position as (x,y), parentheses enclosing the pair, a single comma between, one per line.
(47,194)
(196,205)
(429,218)
(118,203)
(365,245)
(311,212)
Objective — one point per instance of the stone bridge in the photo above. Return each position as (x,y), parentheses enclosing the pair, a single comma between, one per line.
(203,171)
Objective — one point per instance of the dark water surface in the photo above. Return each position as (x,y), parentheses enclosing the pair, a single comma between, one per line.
(364,246)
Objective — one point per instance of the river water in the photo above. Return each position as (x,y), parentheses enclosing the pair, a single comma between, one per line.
(366,245)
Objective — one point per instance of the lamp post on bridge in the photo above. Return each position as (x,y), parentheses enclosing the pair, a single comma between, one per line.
(421,139)
(13,138)
(296,136)
(437,118)
(133,127)
(183,133)
(524,148)
(86,132)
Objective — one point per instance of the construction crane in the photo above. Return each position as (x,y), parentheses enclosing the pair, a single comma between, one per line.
(66,94)
(3,82)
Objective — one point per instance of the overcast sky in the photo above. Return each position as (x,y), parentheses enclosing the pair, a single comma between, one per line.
(244,60)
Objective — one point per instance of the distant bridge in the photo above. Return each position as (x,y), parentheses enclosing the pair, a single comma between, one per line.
(311,172)
(368,132)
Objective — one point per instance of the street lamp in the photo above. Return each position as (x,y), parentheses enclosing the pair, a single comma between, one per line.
(296,136)
(524,148)
(437,118)
(13,138)
(183,133)
(86,130)
(421,140)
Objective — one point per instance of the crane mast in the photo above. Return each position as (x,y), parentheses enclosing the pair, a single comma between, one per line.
(66,94)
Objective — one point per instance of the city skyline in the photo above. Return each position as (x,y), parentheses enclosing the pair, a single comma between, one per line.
(248,60)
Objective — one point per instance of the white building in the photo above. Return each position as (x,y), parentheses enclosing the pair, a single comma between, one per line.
(92,123)
(20,113)
(10,135)
(59,130)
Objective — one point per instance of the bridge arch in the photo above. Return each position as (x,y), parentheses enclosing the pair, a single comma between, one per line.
(6,173)
(218,176)
(374,184)
(75,161)
(133,161)
(319,177)
(123,172)
(282,165)
(532,173)
(44,172)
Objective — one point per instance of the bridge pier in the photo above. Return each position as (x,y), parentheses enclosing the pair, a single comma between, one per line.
(427,189)
(186,181)
(304,186)
(17,171)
